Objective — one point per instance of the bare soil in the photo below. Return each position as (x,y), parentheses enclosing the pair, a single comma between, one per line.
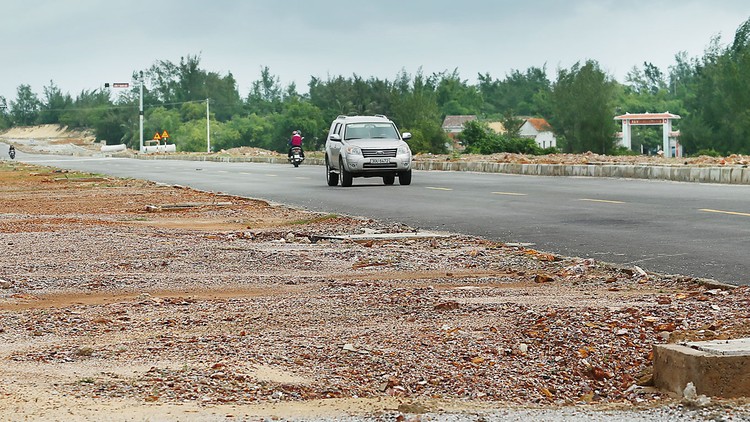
(128,300)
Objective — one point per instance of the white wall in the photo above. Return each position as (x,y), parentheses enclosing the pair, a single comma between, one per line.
(546,139)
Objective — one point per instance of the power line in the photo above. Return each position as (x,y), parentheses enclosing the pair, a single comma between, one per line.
(113,106)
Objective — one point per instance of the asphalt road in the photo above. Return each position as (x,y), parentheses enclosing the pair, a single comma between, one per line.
(699,230)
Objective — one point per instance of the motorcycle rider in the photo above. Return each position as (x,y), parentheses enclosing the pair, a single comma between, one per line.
(296,141)
(12,151)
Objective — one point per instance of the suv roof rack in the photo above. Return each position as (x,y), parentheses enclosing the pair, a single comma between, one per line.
(381,115)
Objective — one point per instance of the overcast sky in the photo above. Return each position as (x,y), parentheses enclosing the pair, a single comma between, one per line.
(83,43)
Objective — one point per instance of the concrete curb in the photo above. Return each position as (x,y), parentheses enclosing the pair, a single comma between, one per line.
(739,175)
(712,371)
(724,174)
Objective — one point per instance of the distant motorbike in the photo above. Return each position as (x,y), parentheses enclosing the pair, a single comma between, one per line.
(296,157)
(12,152)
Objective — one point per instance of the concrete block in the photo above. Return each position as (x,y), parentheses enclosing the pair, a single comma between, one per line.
(681,174)
(726,175)
(745,176)
(656,172)
(714,175)
(706,174)
(695,174)
(640,172)
(719,368)
(516,168)
(736,175)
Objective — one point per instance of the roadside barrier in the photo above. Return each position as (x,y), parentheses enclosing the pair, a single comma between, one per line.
(731,174)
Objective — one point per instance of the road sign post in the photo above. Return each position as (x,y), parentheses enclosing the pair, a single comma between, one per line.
(140,111)
(208,129)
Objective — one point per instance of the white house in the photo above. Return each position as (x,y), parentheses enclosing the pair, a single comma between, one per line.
(453,125)
(539,130)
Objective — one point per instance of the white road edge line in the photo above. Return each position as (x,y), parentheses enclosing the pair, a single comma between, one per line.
(510,193)
(602,200)
(743,214)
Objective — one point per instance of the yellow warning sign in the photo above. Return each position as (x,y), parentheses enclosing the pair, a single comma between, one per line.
(157,137)
(165,135)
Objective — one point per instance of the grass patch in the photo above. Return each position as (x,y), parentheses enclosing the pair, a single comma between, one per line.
(84,351)
(135,219)
(313,220)
(74,175)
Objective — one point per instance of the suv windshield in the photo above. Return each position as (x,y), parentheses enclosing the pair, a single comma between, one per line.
(370,131)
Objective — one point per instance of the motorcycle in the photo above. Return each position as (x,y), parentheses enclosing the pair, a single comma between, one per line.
(296,157)
(12,152)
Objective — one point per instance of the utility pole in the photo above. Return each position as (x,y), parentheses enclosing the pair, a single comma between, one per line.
(140,114)
(208,130)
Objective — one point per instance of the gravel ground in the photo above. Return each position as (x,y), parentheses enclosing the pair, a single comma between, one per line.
(148,302)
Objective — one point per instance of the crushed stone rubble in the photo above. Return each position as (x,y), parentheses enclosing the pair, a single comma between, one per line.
(197,304)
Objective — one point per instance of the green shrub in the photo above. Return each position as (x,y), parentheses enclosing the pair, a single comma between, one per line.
(709,152)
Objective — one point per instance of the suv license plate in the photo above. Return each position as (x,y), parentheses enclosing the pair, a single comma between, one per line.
(380,160)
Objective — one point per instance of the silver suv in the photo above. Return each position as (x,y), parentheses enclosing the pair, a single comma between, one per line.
(367,146)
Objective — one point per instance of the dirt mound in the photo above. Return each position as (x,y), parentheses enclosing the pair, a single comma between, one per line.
(47,132)
(51,139)
(249,151)
(590,158)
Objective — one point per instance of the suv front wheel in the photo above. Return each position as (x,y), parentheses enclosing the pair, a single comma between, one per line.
(404,178)
(346,177)
(331,177)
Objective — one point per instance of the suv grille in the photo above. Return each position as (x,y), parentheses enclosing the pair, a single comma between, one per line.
(379,165)
(375,153)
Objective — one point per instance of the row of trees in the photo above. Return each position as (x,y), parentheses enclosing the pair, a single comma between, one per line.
(710,93)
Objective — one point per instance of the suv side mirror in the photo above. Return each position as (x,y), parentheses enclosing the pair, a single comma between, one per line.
(335,137)
(406,135)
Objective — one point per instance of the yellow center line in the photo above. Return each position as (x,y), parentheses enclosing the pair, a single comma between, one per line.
(301,177)
(510,193)
(246,174)
(434,188)
(602,200)
(272,175)
(744,214)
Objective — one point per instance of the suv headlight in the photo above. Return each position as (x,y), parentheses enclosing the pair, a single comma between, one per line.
(404,150)
(351,150)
